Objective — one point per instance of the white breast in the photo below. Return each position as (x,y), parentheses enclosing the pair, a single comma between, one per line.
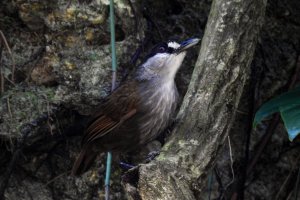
(160,103)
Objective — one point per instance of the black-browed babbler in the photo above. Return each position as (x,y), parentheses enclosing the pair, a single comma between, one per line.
(139,110)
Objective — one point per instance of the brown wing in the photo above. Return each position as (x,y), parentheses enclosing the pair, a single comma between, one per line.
(120,106)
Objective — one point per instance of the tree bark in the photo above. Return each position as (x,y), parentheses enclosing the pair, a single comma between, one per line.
(208,109)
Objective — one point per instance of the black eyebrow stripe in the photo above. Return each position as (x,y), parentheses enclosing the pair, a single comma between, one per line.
(155,50)
(170,50)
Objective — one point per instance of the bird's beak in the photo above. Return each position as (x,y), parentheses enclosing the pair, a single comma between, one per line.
(187,44)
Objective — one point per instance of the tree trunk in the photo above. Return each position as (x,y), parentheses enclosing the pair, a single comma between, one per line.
(208,110)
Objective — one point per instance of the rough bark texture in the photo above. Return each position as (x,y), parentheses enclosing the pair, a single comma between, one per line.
(209,107)
(62,58)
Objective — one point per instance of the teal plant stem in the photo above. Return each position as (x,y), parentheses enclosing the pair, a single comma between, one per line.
(114,69)
(107,175)
(113,44)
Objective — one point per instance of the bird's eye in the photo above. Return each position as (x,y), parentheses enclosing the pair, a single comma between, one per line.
(162,49)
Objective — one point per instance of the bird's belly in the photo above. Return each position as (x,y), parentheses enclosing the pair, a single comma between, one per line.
(155,119)
(154,114)
(139,130)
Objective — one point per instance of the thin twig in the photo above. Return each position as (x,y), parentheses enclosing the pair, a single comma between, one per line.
(56,177)
(8,108)
(219,180)
(283,185)
(240,183)
(296,74)
(290,195)
(1,73)
(10,81)
(11,55)
(297,185)
(242,112)
(290,176)
(1,80)
(231,163)
(263,143)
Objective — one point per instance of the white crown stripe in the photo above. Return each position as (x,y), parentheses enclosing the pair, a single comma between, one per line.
(173,45)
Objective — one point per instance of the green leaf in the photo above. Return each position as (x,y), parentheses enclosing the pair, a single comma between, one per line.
(291,119)
(288,104)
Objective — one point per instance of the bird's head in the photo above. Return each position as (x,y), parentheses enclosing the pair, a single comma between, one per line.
(164,60)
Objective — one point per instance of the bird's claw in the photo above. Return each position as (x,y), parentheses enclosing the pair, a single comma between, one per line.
(152,155)
(126,166)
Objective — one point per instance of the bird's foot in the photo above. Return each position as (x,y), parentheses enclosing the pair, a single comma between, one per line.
(151,156)
(126,166)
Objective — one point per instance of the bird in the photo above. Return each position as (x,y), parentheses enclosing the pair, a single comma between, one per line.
(139,109)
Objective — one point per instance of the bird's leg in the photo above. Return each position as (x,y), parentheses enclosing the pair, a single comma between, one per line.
(126,166)
(151,156)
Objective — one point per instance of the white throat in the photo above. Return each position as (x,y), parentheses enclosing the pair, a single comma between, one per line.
(172,65)
(162,66)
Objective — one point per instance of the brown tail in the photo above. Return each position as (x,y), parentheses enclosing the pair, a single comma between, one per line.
(83,162)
